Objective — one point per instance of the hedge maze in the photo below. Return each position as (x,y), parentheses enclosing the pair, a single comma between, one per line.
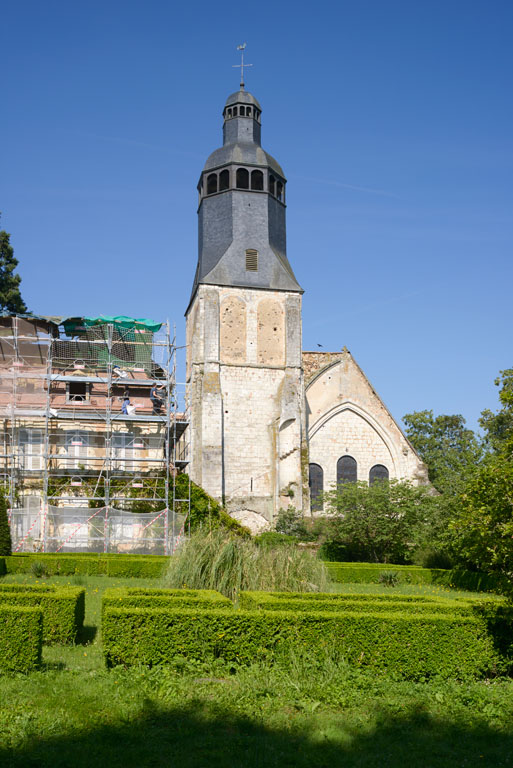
(412,638)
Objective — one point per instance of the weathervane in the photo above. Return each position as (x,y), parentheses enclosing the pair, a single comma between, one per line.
(242,48)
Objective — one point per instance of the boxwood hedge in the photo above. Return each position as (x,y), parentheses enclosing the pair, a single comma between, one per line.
(21,638)
(414,647)
(130,566)
(267,601)
(62,608)
(414,574)
(137,597)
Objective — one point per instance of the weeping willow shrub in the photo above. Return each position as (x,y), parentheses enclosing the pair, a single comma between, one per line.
(219,560)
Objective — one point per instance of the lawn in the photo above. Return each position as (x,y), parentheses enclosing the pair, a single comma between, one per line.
(299,713)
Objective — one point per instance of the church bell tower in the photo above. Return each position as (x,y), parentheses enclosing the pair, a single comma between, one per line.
(244,370)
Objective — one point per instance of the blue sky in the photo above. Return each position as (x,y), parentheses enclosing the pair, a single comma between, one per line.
(392,120)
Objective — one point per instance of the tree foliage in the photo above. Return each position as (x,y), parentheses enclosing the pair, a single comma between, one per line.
(377,523)
(10,296)
(5,532)
(498,426)
(482,527)
(450,450)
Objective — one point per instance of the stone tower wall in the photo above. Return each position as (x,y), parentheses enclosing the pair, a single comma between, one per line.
(246,394)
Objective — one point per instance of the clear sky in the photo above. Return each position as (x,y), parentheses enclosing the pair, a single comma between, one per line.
(392,121)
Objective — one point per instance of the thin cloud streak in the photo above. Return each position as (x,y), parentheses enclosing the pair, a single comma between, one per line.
(342,185)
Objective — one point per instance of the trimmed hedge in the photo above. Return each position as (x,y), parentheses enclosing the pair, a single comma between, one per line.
(414,574)
(3,568)
(63,608)
(411,647)
(137,597)
(21,638)
(267,601)
(129,566)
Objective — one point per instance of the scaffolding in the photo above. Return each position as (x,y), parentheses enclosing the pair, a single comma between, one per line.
(94,435)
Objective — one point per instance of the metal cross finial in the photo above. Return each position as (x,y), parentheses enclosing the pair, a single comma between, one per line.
(242,48)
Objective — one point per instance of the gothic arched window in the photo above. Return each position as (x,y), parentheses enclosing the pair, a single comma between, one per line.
(257,180)
(272,185)
(316,483)
(242,178)
(347,470)
(211,183)
(224,180)
(377,473)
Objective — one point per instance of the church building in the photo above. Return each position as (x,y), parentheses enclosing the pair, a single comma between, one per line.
(271,425)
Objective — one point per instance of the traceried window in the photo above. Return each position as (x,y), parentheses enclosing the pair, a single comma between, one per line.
(347,470)
(316,482)
(378,472)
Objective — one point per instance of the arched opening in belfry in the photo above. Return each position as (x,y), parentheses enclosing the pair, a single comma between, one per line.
(257,180)
(316,483)
(347,470)
(235,111)
(224,180)
(211,183)
(229,113)
(272,185)
(378,473)
(279,190)
(242,178)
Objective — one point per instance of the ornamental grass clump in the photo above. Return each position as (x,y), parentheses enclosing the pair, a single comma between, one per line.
(229,564)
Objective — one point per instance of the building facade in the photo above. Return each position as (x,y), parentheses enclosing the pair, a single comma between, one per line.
(270,425)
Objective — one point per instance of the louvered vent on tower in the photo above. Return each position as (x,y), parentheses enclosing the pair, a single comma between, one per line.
(251,260)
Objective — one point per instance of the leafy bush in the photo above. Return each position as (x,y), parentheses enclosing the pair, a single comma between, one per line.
(21,638)
(291,523)
(377,523)
(412,647)
(274,539)
(5,531)
(62,608)
(388,578)
(229,564)
(430,557)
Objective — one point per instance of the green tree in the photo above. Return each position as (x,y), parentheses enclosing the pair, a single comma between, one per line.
(5,532)
(10,296)
(377,523)
(482,527)
(498,426)
(450,450)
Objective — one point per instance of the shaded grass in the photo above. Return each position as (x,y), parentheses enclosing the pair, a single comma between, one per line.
(297,713)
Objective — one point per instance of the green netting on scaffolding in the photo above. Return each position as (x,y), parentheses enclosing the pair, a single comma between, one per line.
(121,321)
(128,345)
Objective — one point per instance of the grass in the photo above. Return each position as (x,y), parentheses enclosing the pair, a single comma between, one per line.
(229,564)
(75,713)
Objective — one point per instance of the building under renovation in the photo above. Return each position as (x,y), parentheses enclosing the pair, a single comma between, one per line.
(92,435)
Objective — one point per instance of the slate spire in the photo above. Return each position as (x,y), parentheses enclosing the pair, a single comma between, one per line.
(241,215)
